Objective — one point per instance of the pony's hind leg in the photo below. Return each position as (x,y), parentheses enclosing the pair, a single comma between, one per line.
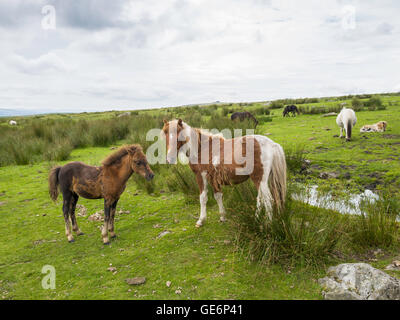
(264,197)
(75,227)
(112,217)
(218,197)
(202,182)
(67,199)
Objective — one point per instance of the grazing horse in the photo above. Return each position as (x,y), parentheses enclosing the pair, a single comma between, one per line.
(346,120)
(377,127)
(291,109)
(220,161)
(108,181)
(244,115)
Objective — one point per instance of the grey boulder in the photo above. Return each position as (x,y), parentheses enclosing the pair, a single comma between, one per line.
(359,281)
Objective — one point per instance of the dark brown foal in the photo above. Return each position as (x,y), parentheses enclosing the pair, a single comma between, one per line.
(108,181)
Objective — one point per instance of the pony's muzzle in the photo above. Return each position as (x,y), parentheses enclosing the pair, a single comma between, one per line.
(149,176)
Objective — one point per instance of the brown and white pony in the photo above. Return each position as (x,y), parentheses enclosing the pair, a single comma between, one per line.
(377,127)
(220,161)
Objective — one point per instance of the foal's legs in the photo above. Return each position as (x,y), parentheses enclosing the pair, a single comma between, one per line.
(107,218)
(73,202)
(112,217)
(67,199)
(202,182)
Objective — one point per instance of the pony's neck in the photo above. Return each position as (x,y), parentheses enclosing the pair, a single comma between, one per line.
(121,171)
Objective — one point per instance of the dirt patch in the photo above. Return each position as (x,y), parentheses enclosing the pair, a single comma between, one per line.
(391,136)
(28,200)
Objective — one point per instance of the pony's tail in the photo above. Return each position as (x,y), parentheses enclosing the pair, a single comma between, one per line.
(278,178)
(53,183)
(349,129)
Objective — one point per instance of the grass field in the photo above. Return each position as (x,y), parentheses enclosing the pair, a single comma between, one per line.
(200,263)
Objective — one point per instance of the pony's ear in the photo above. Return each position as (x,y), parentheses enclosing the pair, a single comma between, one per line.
(131,150)
(165,121)
(180,122)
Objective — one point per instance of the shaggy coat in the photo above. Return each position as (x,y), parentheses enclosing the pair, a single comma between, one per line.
(291,109)
(77,179)
(216,163)
(377,127)
(346,120)
(243,116)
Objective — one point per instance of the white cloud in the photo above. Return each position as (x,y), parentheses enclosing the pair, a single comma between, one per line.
(127,54)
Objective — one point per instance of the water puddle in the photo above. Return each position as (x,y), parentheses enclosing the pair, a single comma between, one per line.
(311,196)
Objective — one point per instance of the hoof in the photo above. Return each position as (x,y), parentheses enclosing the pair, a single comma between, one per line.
(114,236)
(198,225)
(222,220)
(71,241)
(81,234)
(106,243)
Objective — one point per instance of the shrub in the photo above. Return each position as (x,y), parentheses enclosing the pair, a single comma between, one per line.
(300,235)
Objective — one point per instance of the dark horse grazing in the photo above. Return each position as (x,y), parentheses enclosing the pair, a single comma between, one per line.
(108,181)
(291,109)
(244,115)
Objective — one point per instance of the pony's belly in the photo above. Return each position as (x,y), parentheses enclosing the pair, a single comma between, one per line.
(87,191)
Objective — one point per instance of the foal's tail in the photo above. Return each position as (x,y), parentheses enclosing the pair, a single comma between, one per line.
(53,183)
(278,178)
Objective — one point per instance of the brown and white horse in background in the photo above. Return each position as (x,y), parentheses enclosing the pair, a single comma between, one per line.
(220,161)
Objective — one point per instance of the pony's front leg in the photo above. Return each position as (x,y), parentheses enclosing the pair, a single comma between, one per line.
(112,217)
(218,197)
(104,231)
(202,182)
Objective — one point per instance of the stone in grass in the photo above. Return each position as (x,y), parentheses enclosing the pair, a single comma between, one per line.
(359,281)
(162,234)
(135,281)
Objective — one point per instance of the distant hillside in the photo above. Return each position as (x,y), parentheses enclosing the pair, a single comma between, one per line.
(13,112)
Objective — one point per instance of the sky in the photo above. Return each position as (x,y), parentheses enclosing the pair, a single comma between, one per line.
(95,55)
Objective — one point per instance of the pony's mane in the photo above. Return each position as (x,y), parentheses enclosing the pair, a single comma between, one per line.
(120,153)
(209,134)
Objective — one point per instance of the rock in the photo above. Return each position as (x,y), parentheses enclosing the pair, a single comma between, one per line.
(359,281)
(331,114)
(162,234)
(168,284)
(135,281)
(328,175)
(82,210)
(125,114)
(98,216)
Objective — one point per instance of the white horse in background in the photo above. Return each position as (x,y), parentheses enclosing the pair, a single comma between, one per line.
(346,120)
